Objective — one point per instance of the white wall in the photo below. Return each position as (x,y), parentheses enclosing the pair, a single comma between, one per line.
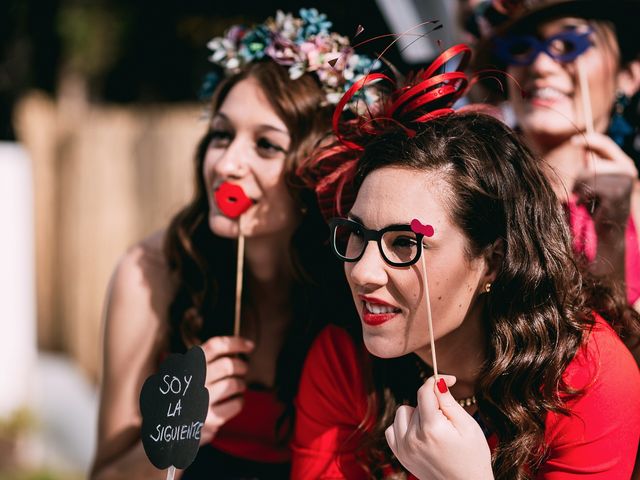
(17,279)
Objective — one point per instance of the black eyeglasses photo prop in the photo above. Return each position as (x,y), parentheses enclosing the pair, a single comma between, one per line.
(399,245)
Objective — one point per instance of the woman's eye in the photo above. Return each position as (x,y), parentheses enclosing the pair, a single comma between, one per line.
(219,138)
(268,148)
(520,48)
(357,232)
(404,242)
(562,46)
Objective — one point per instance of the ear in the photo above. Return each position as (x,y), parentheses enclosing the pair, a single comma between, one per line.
(493,256)
(628,78)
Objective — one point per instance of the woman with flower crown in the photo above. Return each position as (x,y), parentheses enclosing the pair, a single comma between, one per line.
(573,66)
(482,352)
(175,289)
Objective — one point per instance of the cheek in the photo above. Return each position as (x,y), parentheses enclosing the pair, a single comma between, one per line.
(270,175)
(410,287)
(208,165)
(601,77)
(452,293)
(516,73)
(513,83)
(348,267)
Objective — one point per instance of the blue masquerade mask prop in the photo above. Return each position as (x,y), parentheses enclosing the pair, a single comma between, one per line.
(524,49)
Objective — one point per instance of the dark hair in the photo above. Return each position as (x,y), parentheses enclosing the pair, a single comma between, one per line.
(539,306)
(204,264)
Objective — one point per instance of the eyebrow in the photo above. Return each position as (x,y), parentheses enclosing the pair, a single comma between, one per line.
(263,126)
(574,26)
(357,219)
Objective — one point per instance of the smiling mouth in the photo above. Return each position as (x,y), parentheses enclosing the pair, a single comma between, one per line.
(378,309)
(376,314)
(545,94)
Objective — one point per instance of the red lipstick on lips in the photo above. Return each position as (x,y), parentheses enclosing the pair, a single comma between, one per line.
(231,200)
(374,319)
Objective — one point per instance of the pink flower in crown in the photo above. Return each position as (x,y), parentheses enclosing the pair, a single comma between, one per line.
(236,33)
(330,77)
(314,52)
(284,51)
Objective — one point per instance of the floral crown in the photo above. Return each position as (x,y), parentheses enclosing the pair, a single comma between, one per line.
(304,44)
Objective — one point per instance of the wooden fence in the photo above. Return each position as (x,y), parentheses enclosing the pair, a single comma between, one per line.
(104,177)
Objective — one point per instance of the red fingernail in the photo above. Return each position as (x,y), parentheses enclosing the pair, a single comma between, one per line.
(442,386)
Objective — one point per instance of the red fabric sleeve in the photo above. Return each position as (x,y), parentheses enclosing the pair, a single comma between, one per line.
(599,439)
(330,405)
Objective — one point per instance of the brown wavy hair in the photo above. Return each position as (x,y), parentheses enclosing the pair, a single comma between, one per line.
(540,305)
(204,264)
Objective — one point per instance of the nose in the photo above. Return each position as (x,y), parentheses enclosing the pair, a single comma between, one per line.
(543,63)
(231,162)
(368,273)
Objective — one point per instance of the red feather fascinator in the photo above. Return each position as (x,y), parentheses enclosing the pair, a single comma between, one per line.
(425,95)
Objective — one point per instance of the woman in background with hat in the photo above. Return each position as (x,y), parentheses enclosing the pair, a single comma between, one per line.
(576,124)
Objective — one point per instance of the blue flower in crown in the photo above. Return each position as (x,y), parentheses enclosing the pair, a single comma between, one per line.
(315,23)
(254,42)
(209,85)
(303,44)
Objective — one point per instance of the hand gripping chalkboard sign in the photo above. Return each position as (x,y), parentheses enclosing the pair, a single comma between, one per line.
(174,404)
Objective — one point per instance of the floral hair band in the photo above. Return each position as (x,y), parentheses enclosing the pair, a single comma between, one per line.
(303,44)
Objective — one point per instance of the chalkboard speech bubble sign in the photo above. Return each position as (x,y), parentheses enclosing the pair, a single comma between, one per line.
(174,404)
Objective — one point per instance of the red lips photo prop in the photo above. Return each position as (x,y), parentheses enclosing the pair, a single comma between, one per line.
(231,200)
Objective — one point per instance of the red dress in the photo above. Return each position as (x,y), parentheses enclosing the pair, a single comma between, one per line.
(599,440)
(252,433)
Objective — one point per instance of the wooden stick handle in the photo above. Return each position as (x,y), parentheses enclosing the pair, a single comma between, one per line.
(171,472)
(239,277)
(586,97)
(429,318)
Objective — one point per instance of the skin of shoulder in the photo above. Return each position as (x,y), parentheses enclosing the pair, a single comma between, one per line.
(135,335)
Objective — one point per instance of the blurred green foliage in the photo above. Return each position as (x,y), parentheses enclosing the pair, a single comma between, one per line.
(20,421)
(92,35)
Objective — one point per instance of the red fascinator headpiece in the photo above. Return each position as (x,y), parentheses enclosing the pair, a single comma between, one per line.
(425,95)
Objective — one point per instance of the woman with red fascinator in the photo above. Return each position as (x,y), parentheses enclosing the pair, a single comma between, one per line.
(573,67)
(176,288)
(507,362)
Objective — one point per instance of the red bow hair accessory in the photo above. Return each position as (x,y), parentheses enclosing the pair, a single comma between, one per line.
(425,95)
